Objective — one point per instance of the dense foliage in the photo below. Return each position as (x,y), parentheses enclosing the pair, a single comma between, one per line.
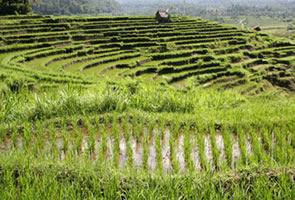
(11,7)
(76,7)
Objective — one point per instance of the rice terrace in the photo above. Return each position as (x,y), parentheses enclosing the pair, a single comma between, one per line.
(126,107)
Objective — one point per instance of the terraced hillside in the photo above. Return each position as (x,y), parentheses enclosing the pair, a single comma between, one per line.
(188,51)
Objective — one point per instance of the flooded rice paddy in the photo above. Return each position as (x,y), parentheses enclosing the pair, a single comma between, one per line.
(151,150)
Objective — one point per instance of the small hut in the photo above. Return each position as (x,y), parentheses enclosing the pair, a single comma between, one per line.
(256,28)
(163,16)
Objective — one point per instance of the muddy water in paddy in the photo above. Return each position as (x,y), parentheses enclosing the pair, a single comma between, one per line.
(137,152)
(195,153)
(220,146)
(236,150)
(137,149)
(208,149)
(166,152)
(152,161)
(180,152)
(123,152)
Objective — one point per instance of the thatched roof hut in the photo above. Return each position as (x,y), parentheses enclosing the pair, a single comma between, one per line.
(163,16)
(256,28)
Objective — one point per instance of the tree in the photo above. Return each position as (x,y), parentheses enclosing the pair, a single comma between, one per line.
(11,7)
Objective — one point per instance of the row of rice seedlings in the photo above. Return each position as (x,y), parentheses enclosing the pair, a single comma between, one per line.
(116,139)
(65,139)
(140,131)
(139,138)
(146,143)
(267,143)
(173,134)
(45,143)
(39,140)
(54,150)
(283,146)
(77,138)
(91,140)
(103,151)
(3,134)
(201,144)
(158,138)
(292,134)
(215,150)
(14,138)
(71,135)
(188,149)
(242,138)
(152,156)
(288,147)
(227,138)
(258,155)
(26,139)
(127,135)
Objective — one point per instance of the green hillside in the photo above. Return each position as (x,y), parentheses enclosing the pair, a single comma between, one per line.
(187,51)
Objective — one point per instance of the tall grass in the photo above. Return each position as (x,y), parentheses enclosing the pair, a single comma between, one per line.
(210,105)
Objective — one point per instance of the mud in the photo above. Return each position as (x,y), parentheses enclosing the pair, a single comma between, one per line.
(220,146)
(166,152)
(195,153)
(236,151)
(152,161)
(180,152)
(208,149)
(137,152)
(123,152)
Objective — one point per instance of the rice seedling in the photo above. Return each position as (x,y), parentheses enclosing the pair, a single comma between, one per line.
(266,143)
(159,159)
(188,149)
(227,137)
(116,135)
(39,140)
(65,138)
(91,138)
(173,134)
(77,136)
(201,144)
(255,144)
(292,134)
(103,147)
(289,149)
(27,137)
(281,136)
(14,142)
(127,134)
(243,144)
(146,144)
(215,150)
(52,139)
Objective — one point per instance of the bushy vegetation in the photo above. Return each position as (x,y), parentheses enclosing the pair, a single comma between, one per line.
(76,7)
(9,7)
